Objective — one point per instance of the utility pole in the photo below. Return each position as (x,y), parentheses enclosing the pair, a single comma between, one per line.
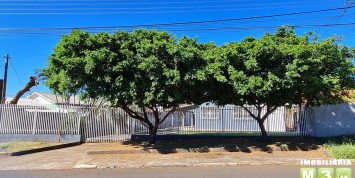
(7,57)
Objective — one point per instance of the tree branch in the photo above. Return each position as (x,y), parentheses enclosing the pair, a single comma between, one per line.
(133,114)
(29,85)
(268,112)
(144,111)
(156,115)
(144,124)
(250,113)
(166,116)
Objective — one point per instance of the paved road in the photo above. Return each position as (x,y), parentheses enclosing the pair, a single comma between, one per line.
(179,172)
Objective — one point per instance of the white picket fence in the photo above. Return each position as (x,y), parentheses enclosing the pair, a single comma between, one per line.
(17,119)
(105,124)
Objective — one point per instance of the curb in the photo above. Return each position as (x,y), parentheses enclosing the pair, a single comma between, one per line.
(85,166)
(20,153)
(94,152)
(162,151)
(193,150)
(163,165)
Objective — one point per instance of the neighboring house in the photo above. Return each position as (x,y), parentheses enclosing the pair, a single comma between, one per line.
(49,103)
(25,101)
(48,99)
(41,102)
(43,98)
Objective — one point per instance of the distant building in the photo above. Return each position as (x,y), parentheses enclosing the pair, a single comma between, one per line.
(47,98)
(25,101)
(43,98)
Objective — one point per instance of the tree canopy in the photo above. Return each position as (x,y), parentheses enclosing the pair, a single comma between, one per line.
(278,69)
(154,72)
(148,70)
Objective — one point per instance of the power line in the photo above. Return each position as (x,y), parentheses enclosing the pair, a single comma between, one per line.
(105,2)
(16,74)
(154,7)
(349,3)
(89,3)
(144,12)
(311,19)
(174,23)
(157,8)
(233,29)
(261,27)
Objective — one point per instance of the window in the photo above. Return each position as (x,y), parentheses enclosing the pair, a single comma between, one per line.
(241,113)
(210,113)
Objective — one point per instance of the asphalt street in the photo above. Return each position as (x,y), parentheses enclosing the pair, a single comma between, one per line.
(168,172)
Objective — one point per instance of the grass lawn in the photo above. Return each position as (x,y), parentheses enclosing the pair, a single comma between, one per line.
(341,147)
(9,147)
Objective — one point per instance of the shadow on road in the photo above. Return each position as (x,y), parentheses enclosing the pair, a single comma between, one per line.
(246,145)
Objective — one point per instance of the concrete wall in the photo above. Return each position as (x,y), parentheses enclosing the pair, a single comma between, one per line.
(38,138)
(332,120)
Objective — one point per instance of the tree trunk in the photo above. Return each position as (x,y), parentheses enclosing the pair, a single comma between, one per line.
(264,136)
(29,85)
(152,134)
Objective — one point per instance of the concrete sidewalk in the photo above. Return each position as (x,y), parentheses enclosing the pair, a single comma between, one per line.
(77,157)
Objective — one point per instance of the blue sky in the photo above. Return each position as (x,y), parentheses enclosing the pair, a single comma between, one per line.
(27,34)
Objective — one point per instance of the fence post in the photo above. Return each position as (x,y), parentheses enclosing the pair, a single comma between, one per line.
(178,116)
(34,123)
(1,120)
(172,123)
(132,124)
(223,123)
(268,123)
(79,124)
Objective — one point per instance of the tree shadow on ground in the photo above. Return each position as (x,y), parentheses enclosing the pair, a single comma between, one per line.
(244,144)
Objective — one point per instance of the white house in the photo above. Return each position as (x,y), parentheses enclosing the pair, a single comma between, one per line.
(47,99)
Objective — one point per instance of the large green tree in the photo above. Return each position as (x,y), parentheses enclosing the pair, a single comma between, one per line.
(278,69)
(142,72)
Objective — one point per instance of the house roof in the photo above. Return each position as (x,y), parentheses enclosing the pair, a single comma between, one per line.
(54,99)
(25,101)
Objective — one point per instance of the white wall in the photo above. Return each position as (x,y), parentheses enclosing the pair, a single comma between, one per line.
(42,101)
(332,120)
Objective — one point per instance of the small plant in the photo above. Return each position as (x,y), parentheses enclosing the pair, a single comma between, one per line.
(5,146)
(343,150)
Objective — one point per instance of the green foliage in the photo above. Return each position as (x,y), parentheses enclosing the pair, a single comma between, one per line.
(282,68)
(10,147)
(343,148)
(5,146)
(278,69)
(147,69)
(131,68)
